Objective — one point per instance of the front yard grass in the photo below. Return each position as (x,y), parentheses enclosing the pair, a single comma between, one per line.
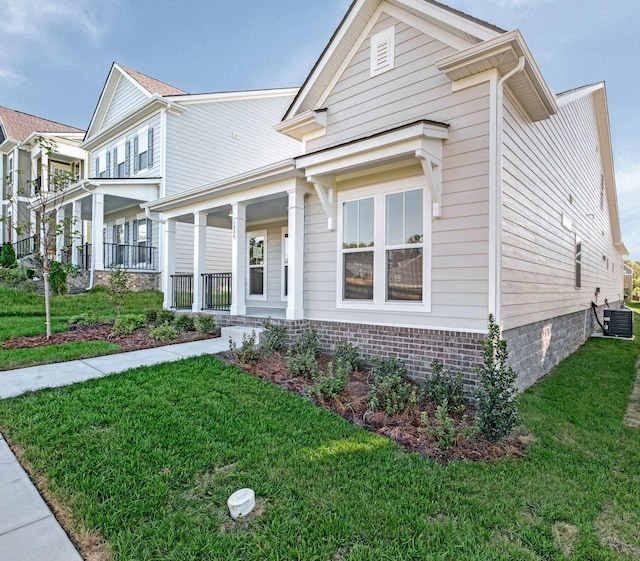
(147,459)
(22,314)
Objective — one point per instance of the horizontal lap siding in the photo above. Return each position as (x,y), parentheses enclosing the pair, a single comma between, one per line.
(218,249)
(359,106)
(552,168)
(202,146)
(125,98)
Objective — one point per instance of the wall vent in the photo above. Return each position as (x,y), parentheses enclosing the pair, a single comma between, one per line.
(383,51)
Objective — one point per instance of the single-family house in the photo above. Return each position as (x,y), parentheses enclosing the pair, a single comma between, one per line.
(32,151)
(149,140)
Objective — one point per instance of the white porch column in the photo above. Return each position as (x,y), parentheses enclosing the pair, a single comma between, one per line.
(97,233)
(238,259)
(168,260)
(199,258)
(295,298)
(44,170)
(59,223)
(76,232)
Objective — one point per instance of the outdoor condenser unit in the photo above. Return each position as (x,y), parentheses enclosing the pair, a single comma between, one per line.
(618,322)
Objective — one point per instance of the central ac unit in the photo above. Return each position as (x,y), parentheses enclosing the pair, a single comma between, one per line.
(618,322)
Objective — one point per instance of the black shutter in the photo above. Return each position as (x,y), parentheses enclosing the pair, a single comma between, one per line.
(127,159)
(96,170)
(135,154)
(108,173)
(115,162)
(150,149)
(135,232)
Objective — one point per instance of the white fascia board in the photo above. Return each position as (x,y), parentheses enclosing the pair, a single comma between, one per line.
(231,96)
(304,124)
(131,79)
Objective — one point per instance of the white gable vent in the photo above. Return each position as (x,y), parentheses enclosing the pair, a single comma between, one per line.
(383,51)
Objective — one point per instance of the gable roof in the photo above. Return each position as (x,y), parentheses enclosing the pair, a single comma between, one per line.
(18,126)
(151,84)
(347,37)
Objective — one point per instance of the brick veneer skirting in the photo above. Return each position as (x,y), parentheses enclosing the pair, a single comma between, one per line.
(138,280)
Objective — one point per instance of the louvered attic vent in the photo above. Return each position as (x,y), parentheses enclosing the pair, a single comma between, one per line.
(382,51)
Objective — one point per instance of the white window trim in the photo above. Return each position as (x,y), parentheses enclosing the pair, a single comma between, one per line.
(258,297)
(385,39)
(283,234)
(379,302)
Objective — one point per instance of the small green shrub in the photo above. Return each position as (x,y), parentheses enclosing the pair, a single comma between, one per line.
(8,256)
(331,383)
(391,391)
(164,317)
(118,288)
(497,403)
(16,278)
(88,318)
(184,323)
(57,278)
(249,352)
(346,353)
(127,324)
(308,343)
(444,428)
(163,333)
(151,315)
(204,324)
(274,337)
(444,387)
(302,364)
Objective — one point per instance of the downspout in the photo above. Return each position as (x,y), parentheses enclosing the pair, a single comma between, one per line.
(496,298)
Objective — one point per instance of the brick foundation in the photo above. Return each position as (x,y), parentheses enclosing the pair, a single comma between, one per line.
(138,280)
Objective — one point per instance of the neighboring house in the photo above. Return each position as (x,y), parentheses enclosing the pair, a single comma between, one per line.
(26,168)
(628,281)
(147,140)
(439,181)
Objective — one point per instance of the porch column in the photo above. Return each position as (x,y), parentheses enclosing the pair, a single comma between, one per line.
(97,232)
(76,232)
(168,260)
(59,224)
(238,259)
(199,258)
(44,171)
(295,297)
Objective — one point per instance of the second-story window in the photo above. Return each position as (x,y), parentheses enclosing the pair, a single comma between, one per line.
(121,160)
(143,150)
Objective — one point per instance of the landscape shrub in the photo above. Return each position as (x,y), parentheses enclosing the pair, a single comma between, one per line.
(249,352)
(88,318)
(307,343)
(163,333)
(444,428)
(151,315)
(164,317)
(184,323)
(497,403)
(443,387)
(16,278)
(390,390)
(274,337)
(346,353)
(302,364)
(127,324)
(57,278)
(8,256)
(331,384)
(118,288)
(204,324)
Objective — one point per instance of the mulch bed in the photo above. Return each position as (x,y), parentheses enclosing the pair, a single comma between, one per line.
(404,428)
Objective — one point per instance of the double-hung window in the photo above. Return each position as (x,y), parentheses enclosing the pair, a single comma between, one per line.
(143,150)
(382,261)
(257,264)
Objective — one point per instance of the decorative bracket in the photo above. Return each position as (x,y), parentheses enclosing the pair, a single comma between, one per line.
(432,173)
(326,190)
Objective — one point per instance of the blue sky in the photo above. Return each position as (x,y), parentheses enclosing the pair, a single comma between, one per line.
(55,55)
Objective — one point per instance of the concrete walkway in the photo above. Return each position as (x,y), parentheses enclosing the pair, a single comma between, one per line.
(28,529)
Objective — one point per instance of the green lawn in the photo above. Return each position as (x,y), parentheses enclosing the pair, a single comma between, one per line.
(147,459)
(22,314)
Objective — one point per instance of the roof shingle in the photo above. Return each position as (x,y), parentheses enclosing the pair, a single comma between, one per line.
(18,126)
(151,84)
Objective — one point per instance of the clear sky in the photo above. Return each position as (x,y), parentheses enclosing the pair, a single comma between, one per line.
(55,55)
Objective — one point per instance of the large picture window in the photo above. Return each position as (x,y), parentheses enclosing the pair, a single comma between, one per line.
(382,247)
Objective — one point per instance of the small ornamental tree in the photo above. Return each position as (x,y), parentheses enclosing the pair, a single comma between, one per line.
(497,404)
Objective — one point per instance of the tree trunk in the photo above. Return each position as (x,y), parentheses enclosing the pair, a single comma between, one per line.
(47,299)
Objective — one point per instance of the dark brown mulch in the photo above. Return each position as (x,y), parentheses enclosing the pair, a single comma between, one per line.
(404,428)
(140,338)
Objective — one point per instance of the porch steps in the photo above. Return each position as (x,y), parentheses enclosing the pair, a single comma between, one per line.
(237,332)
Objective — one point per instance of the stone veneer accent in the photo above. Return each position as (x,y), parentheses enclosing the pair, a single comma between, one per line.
(536,348)
(458,351)
(138,280)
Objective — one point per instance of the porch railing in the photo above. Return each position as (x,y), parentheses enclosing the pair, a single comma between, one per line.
(26,246)
(84,256)
(216,291)
(182,292)
(138,257)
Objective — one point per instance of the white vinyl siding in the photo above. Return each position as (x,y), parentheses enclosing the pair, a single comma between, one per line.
(552,176)
(211,141)
(218,252)
(125,98)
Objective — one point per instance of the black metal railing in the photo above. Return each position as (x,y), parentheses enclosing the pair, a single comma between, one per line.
(216,291)
(65,255)
(26,246)
(84,256)
(182,292)
(139,257)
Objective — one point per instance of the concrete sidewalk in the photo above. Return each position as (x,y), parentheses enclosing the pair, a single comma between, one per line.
(28,529)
